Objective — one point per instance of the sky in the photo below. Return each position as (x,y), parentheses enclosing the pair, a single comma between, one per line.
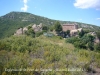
(85,11)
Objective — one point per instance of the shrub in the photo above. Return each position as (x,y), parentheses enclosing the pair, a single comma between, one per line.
(60,37)
(97,47)
(91,45)
(45,28)
(58,27)
(81,34)
(2,46)
(38,34)
(72,40)
(29,27)
(80,44)
(51,28)
(30,32)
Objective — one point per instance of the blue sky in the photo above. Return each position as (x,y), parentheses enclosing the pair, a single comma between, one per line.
(85,11)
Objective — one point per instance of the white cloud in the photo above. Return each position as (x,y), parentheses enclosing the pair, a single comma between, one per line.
(25,1)
(25,6)
(87,4)
(98,18)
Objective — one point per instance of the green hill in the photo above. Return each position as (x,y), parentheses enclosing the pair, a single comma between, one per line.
(10,22)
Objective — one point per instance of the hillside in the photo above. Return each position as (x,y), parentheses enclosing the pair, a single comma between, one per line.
(10,22)
(23,52)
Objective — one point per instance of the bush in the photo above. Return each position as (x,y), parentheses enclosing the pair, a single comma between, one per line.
(72,40)
(91,45)
(60,37)
(5,46)
(45,28)
(97,47)
(87,41)
(38,34)
(30,32)
(80,44)
(51,28)
(81,34)
(29,27)
(2,46)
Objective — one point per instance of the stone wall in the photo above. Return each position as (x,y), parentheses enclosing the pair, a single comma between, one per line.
(70,27)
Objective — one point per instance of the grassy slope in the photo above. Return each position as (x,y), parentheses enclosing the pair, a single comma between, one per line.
(47,53)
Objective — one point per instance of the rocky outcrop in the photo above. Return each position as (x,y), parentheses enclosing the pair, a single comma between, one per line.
(96,40)
(25,29)
(35,27)
(75,31)
(19,32)
(92,33)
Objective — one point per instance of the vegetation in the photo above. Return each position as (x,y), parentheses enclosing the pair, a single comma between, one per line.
(81,34)
(30,32)
(10,22)
(57,27)
(23,52)
(98,34)
(97,47)
(38,34)
(32,53)
(68,32)
(85,42)
(45,28)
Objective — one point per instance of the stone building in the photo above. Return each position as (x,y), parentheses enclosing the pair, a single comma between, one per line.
(70,27)
(73,29)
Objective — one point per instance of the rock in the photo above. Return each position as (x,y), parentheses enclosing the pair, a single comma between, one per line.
(19,32)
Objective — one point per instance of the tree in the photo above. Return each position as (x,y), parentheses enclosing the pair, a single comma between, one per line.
(91,38)
(51,28)
(91,45)
(45,28)
(29,27)
(68,32)
(38,34)
(89,41)
(98,35)
(30,32)
(97,47)
(57,27)
(80,44)
(81,34)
